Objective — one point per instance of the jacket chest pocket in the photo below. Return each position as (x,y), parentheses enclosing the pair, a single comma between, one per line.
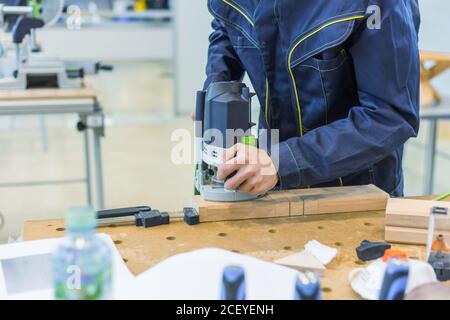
(322,74)
(326,87)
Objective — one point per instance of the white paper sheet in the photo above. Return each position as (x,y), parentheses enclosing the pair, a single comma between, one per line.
(25,269)
(198,275)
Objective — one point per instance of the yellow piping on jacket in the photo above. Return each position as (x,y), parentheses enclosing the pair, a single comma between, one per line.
(290,58)
(240,11)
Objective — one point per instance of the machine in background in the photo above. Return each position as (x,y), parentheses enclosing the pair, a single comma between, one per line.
(29,67)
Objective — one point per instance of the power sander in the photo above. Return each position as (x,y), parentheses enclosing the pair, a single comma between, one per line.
(222,119)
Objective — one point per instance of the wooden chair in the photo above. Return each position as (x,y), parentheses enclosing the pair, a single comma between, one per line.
(440,62)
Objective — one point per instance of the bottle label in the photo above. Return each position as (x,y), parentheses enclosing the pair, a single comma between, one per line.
(76,285)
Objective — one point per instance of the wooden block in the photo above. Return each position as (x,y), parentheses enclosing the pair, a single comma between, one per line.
(302,261)
(269,206)
(295,203)
(342,199)
(410,235)
(412,213)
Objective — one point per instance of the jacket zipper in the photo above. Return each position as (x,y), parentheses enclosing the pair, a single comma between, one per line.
(294,84)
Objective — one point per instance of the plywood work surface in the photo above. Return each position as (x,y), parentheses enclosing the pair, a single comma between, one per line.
(267,239)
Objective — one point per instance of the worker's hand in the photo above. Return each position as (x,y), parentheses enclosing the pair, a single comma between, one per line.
(256,173)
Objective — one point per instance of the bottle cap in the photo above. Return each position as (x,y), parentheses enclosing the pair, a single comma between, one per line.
(81,218)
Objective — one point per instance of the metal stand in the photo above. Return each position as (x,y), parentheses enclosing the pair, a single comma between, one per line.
(91,119)
(433,115)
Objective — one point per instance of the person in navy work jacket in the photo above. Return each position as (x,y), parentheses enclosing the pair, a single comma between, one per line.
(342,90)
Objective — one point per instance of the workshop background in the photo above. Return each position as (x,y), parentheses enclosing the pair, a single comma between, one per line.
(158,57)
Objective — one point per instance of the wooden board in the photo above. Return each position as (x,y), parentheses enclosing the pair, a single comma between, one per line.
(46,94)
(270,206)
(410,235)
(295,203)
(342,199)
(413,213)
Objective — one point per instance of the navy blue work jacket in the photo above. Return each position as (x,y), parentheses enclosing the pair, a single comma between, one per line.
(341,85)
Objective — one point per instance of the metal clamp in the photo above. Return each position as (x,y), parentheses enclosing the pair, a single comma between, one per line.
(95,121)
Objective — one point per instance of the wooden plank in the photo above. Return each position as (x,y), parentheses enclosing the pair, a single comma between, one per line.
(412,213)
(295,203)
(46,94)
(342,199)
(269,206)
(410,235)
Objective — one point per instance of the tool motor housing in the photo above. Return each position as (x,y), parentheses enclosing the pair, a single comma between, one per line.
(223,118)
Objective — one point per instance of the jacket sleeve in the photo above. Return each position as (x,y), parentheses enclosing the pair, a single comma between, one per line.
(386,63)
(223,62)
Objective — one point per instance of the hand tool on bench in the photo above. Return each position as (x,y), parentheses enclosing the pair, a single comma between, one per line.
(438,251)
(142,216)
(368,250)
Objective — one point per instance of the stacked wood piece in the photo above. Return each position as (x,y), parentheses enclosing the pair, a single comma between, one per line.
(407,220)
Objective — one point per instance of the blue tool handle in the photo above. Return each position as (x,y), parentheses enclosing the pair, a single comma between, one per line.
(233,284)
(395,280)
(307,287)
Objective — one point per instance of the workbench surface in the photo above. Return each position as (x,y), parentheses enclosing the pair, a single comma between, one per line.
(267,239)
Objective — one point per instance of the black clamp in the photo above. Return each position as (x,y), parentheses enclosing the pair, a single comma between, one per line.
(368,250)
(191,216)
(151,218)
(142,216)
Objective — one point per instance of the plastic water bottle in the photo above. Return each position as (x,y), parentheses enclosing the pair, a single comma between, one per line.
(82,264)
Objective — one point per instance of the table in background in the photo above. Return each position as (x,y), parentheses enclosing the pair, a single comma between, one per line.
(83,102)
(431,108)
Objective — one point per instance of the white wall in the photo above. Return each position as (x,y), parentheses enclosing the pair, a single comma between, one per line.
(119,43)
(192,29)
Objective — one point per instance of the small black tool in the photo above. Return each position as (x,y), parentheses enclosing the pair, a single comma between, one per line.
(368,250)
(152,218)
(191,216)
(142,216)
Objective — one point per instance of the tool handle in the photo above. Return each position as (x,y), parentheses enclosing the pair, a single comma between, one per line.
(307,287)
(233,283)
(199,113)
(395,280)
(123,212)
